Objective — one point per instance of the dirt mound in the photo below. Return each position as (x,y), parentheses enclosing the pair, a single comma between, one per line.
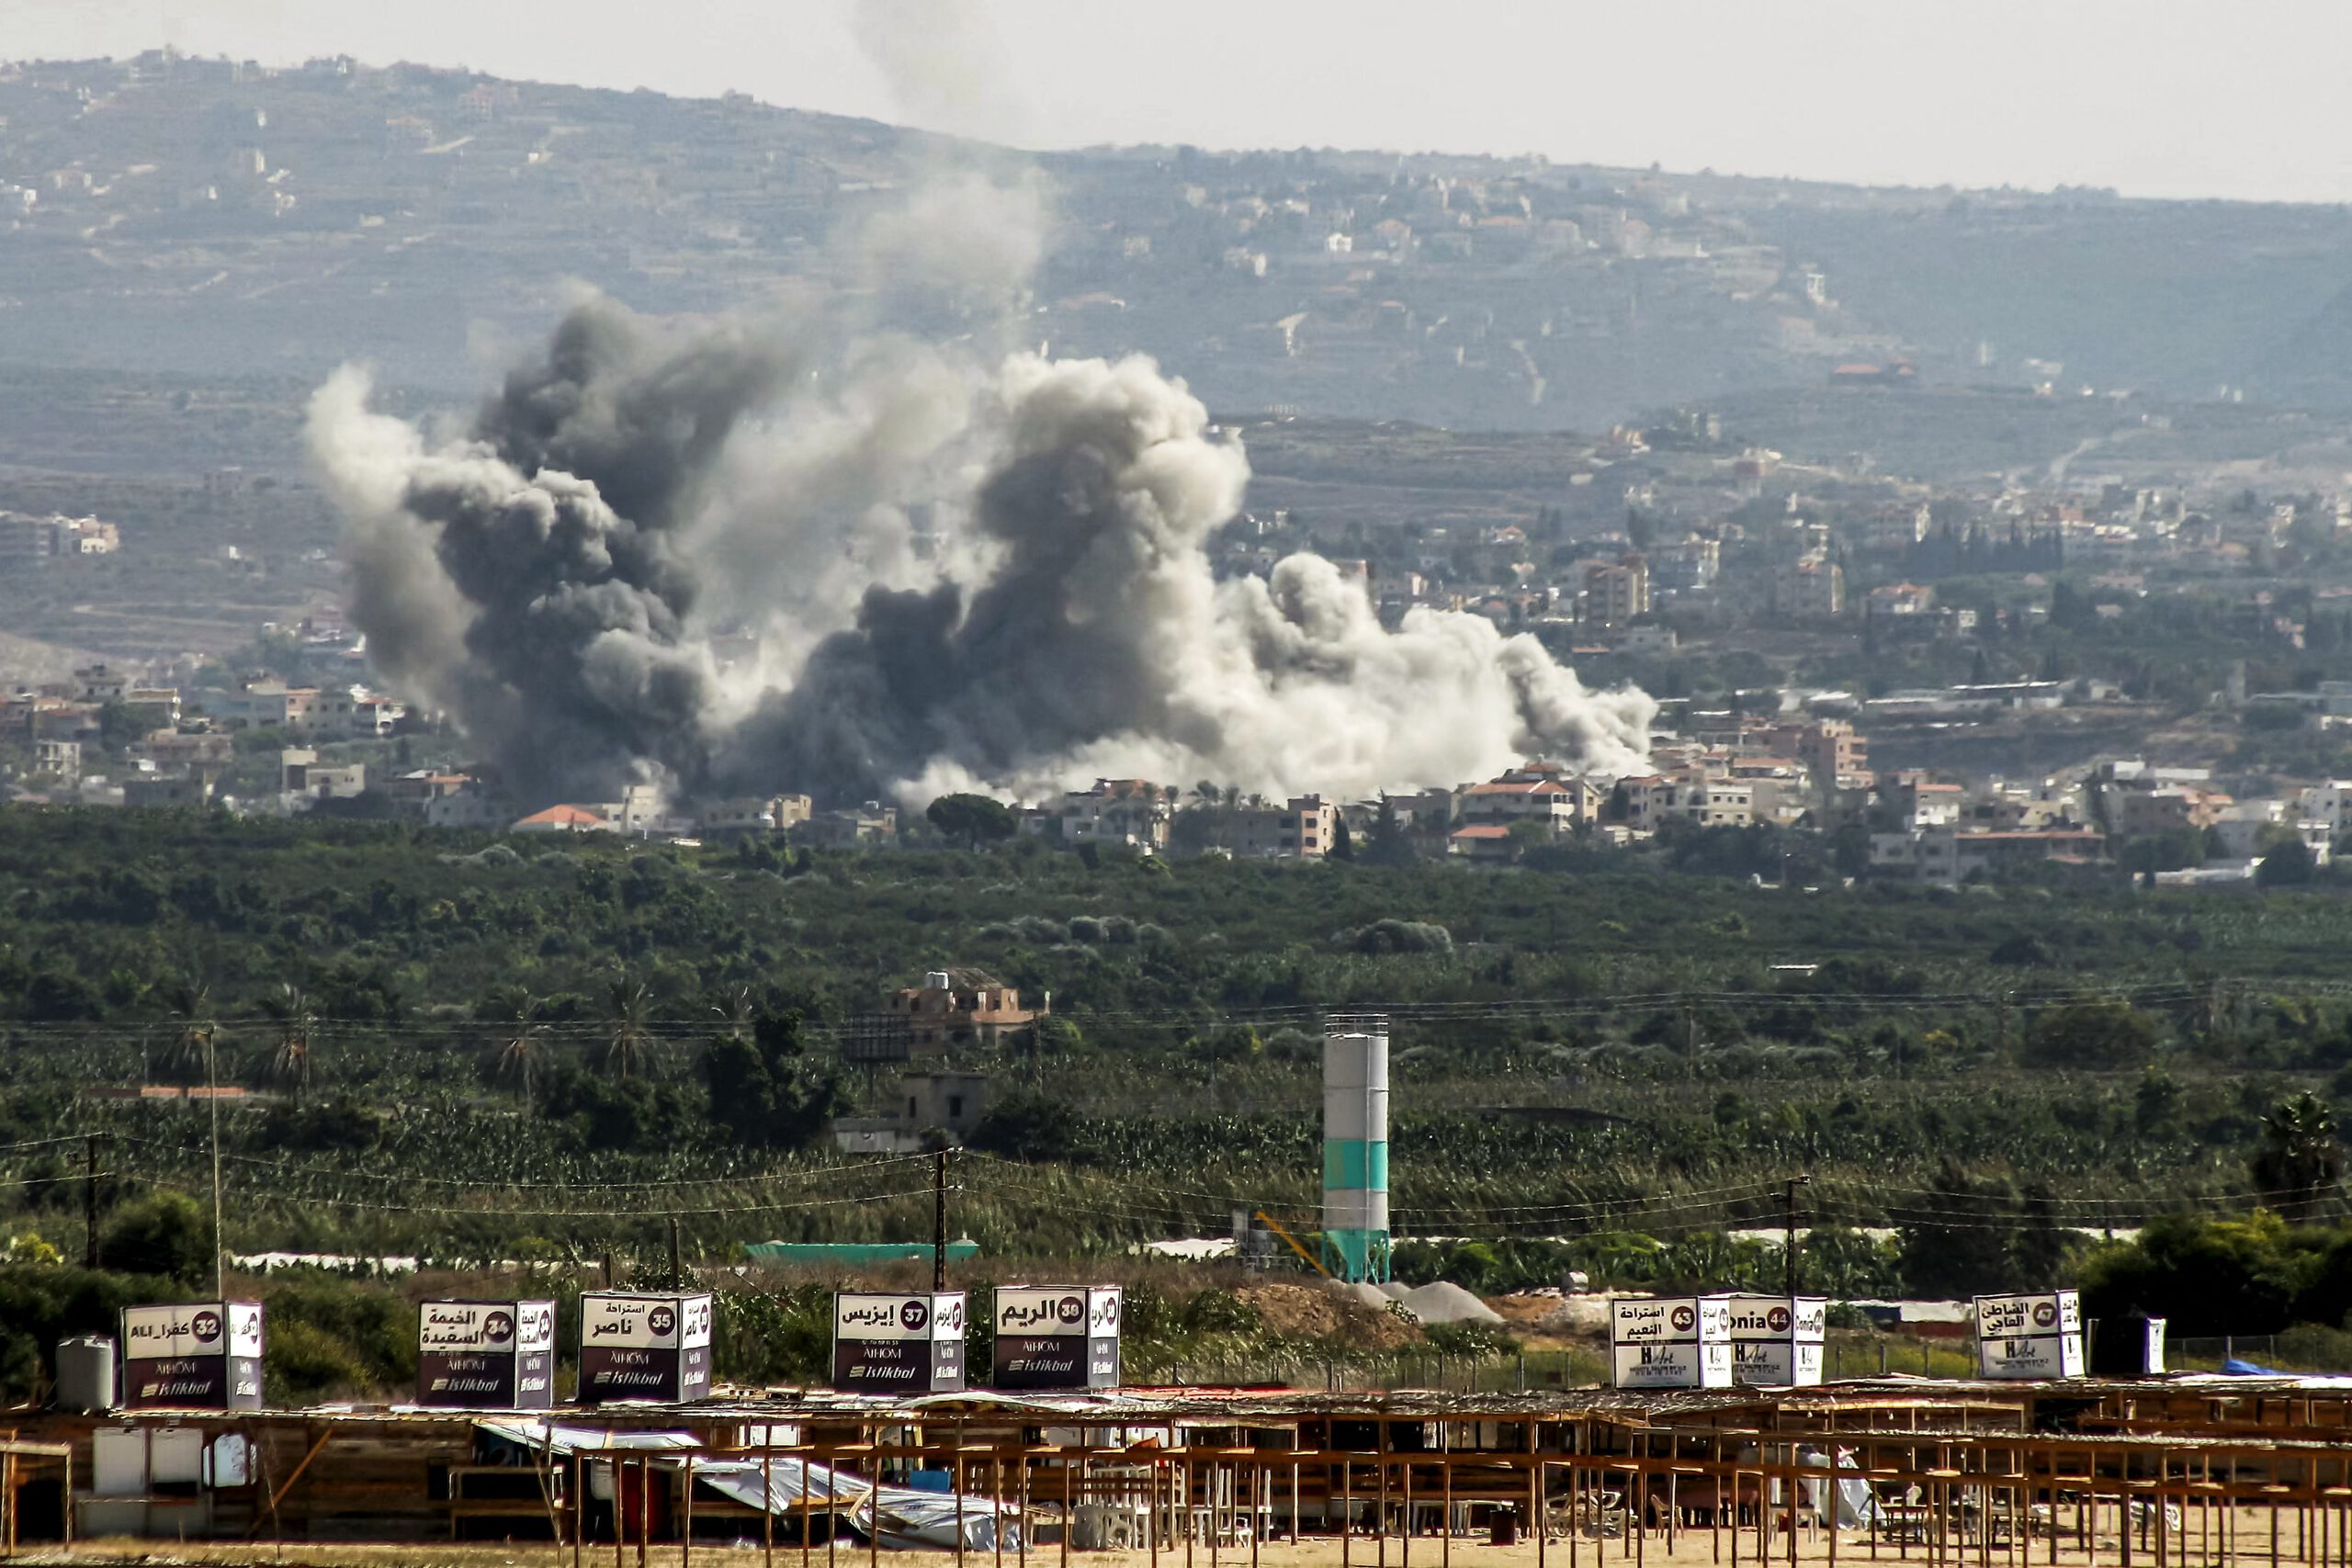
(1442,1301)
(1371,1298)
(1310,1312)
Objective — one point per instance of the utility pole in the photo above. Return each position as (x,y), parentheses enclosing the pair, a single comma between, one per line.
(1690,1038)
(939,1221)
(677,1275)
(90,1203)
(220,1236)
(1788,1242)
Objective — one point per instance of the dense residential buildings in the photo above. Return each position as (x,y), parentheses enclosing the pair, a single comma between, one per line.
(26,539)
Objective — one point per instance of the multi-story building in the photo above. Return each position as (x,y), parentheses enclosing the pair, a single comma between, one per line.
(267,704)
(28,538)
(1914,800)
(2133,813)
(1809,589)
(59,759)
(869,825)
(1691,796)
(1946,856)
(175,749)
(1617,592)
(754,815)
(147,790)
(1901,598)
(1687,564)
(353,711)
(1302,828)
(1115,811)
(153,707)
(1539,792)
(962,1007)
(416,790)
(1835,756)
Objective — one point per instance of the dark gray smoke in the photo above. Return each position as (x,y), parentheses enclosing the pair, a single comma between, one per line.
(560,583)
(529,580)
(801,553)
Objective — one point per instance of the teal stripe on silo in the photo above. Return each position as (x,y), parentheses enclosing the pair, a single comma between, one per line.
(1353,1163)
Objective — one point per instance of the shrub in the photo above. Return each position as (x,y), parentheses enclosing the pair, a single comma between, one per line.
(1403,936)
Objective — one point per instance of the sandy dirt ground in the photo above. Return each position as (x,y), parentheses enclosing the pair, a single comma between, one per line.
(2204,1544)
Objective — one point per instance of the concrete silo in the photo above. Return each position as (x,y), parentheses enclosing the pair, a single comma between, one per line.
(1355,1146)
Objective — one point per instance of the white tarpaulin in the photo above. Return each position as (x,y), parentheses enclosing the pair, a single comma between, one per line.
(912,1521)
(747,1481)
(562,1438)
(1857,1504)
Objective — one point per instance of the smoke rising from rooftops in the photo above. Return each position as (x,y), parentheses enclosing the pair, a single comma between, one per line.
(801,550)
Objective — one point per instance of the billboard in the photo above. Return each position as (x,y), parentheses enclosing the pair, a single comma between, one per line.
(1670,1366)
(205,1356)
(1776,1341)
(1062,1336)
(898,1342)
(650,1345)
(486,1355)
(2033,1335)
(1670,1342)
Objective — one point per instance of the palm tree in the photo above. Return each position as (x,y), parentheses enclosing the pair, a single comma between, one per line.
(193,1028)
(735,1012)
(517,1012)
(2298,1158)
(290,1064)
(626,1004)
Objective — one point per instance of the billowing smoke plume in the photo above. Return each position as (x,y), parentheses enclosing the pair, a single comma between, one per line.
(744,556)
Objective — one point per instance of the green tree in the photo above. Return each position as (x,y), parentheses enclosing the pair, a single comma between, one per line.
(1527,833)
(162,1233)
(1388,843)
(1030,1127)
(2156,1104)
(290,1064)
(973,818)
(766,1089)
(189,1057)
(522,1038)
(2099,1035)
(2299,1160)
(628,1008)
(2288,865)
(2240,1276)
(1343,847)
(1970,1236)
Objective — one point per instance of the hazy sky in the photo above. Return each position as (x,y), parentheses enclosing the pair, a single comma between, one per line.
(2156,97)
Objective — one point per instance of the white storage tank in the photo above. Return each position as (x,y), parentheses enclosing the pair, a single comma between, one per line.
(86,1374)
(1355,1146)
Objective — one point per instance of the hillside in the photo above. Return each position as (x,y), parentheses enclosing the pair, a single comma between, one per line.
(178,215)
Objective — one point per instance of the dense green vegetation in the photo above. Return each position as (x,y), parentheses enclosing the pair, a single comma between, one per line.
(539,1052)
(442,1031)
(471,1049)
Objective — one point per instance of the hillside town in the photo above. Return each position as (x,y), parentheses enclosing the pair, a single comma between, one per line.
(1802,770)
(2065,674)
